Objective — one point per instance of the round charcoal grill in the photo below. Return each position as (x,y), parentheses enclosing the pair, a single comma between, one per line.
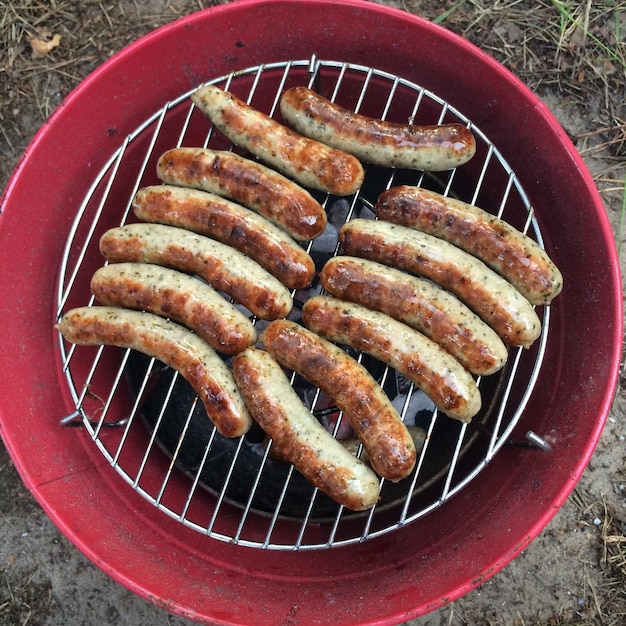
(481,492)
(161,441)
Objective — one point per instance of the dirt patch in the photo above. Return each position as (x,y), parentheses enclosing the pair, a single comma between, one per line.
(573,56)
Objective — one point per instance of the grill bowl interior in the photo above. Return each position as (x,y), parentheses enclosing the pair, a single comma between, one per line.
(414,569)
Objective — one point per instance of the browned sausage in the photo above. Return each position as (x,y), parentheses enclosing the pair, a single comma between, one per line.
(434,148)
(437,373)
(489,295)
(375,421)
(420,304)
(172,344)
(180,297)
(255,186)
(311,163)
(230,223)
(509,252)
(223,267)
(297,434)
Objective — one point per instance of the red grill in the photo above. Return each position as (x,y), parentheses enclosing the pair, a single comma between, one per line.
(100,482)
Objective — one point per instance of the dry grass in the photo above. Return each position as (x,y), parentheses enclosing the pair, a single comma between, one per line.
(607,592)
(613,562)
(577,48)
(90,32)
(23,602)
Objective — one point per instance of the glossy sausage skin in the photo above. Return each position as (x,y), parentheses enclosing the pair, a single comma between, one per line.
(438,374)
(420,304)
(509,252)
(178,296)
(257,187)
(223,267)
(432,148)
(375,421)
(232,224)
(299,437)
(171,344)
(489,295)
(309,162)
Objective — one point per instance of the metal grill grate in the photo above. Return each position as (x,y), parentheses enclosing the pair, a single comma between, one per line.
(150,427)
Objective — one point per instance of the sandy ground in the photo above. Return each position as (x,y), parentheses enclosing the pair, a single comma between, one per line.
(564,577)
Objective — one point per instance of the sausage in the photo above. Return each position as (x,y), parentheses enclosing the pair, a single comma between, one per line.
(309,162)
(232,224)
(489,295)
(297,434)
(178,296)
(257,187)
(432,148)
(375,421)
(223,267)
(505,249)
(171,344)
(438,374)
(420,304)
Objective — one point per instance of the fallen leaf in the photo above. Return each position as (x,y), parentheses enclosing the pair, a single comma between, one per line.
(578,38)
(42,48)
(609,68)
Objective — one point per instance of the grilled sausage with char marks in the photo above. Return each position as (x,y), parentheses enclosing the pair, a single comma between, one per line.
(432,148)
(223,267)
(489,295)
(256,186)
(311,163)
(505,249)
(420,304)
(374,419)
(171,344)
(437,373)
(219,218)
(183,298)
(297,434)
